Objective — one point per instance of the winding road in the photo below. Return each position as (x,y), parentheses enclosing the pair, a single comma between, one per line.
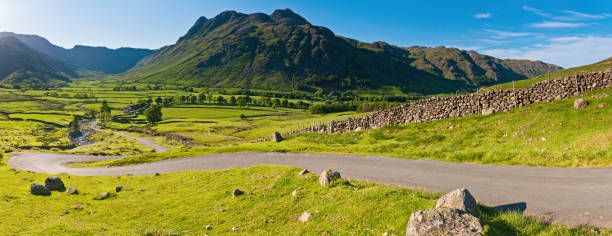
(574,196)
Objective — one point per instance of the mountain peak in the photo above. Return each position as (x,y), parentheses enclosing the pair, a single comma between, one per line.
(287,16)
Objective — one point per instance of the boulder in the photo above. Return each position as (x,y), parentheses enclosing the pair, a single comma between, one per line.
(327,176)
(276,137)
(121,188)
(72,190)
(102,196)
(304,217)
(76,207)
(37,189)
(294,193)
(580,103)
(303,172)
(487,111)
(208,227)
(443,221)
(460,199)
(602,105)
(54,184)
(237,192)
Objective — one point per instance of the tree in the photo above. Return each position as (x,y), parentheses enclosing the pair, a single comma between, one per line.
(158,100)
(74,125)
(220,100)
(232,100)
(202,97)
(242,101)
(154,114)
(105,112)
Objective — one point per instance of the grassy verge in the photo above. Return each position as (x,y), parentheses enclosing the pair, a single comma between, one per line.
(542,134)
(183,203)
(600,66)
(108,144)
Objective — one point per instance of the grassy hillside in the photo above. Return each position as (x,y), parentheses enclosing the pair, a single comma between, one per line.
(540,134)
(84,61)
(183,203)
(599,66)
(21,66)
(283,51)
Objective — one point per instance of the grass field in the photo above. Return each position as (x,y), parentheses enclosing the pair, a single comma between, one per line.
(14,134)
(184,203)
(540,134)
(107,144)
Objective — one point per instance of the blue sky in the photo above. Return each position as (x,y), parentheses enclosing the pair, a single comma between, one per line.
(567,33)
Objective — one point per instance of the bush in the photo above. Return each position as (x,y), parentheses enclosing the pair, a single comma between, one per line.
(331,108)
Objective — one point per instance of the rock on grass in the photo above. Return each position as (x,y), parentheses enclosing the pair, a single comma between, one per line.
(54,184)
(443,221)
(460,199)
(37,189)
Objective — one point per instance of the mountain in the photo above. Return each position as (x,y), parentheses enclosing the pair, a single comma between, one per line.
(22,66)
(85,58)
(284,51)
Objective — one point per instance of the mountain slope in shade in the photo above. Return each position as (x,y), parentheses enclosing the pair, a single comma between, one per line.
(284,51)
(23,66)
(102,59)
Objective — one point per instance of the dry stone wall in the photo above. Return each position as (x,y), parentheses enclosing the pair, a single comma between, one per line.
(436,108)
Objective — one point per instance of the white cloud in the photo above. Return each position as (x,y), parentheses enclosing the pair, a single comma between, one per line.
(536,11)
(485,15)
(568,15)
(557,24)
(562,51)
(508,34)
(564,39)
(587,16)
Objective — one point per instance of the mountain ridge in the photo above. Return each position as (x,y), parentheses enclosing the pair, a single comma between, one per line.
(283,51)
(22,66)
(81,57)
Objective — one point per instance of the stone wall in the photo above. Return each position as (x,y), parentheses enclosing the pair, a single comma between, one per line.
(436,108)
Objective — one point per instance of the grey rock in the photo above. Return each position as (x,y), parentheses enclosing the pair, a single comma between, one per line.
(208,227)
(580,103)
(102,196)
(72,190)
(37,189)
(303,172)
(460,199)
(235,228)
(276,137)
(487,111)
(443,221)
(54,184)
(304,217)
(327,176)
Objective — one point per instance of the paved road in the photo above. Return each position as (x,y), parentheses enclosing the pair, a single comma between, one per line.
(573,196)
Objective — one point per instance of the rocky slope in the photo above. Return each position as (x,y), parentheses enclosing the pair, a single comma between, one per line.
(284,51)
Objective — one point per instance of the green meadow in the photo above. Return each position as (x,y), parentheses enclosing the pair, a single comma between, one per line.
(184,203)
(540,134)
